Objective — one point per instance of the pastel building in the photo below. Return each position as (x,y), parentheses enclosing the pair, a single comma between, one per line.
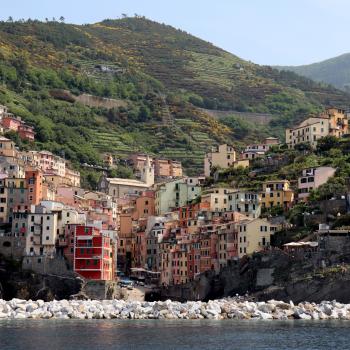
(254,235)
(167,168)
(332,122)
(174,194)
(216,199)
(13,167)
(34,181)
(222,156)
(46,225)
(311,179)
(245,202)
(49,162)
(257,150)
(277,193)
(26,132)
(120,188)
(11,122)
(7,148)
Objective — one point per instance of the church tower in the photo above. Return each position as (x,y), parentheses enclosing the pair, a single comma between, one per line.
(147,172)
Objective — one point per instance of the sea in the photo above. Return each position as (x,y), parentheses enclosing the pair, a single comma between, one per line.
(178,334)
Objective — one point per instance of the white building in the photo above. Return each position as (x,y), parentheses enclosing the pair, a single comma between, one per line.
(45,223)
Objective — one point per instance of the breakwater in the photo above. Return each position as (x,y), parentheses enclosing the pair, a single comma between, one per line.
(228,308)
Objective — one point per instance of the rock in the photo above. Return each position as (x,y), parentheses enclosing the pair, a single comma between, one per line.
(233,308)
(304,316)
(267,308)
(283,306)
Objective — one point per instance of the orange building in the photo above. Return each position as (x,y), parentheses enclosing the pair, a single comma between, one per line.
(34,180)
(144,206)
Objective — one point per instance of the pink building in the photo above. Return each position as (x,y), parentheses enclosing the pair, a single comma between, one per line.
(311,179)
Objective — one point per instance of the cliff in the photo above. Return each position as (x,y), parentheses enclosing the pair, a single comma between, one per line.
(272,275)
(24,284)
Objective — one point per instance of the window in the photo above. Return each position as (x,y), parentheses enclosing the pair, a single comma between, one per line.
(47,238)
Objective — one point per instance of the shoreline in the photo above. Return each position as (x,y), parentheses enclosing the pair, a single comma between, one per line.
(228,308)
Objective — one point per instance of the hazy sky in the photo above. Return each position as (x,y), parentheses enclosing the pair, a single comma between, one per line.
(263,31)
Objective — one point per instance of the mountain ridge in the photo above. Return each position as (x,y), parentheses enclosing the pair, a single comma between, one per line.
(166,79)
(334,71)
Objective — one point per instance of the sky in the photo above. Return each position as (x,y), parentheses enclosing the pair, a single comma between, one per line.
(273,32)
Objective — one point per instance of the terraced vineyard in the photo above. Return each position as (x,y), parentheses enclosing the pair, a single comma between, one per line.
(167,85)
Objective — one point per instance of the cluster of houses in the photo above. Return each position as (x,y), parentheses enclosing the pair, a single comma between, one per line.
(10,122)
(162,226)
(45,214)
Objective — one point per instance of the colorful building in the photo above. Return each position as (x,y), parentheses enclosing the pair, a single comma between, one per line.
(277,193)
(245,202)
(94,254)
(222,156)
(174,194)
(333,122)
(311,179)
(254,235)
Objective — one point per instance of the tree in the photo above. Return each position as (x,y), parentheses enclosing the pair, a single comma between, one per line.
(62,19)
(333,188)
(144,114)
(327,143)
(10,19)
(303,147)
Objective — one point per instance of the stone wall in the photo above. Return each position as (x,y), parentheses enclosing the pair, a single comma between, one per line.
(46,265)
(12,247)
(96,101)
(100,290)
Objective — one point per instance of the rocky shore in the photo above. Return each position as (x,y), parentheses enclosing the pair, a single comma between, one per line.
(229,308)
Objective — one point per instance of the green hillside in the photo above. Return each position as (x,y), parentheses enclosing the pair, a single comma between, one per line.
(159,81)
(335,71)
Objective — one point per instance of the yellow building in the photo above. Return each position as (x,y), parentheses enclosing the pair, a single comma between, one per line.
(222,156)
(254,235)
(338,121)
(276,193)
(241,163)
(332,122)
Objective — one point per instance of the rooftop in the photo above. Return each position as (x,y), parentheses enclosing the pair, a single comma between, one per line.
(127,182)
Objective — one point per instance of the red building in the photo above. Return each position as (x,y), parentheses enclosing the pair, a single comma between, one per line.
(93,254)
(26,132)
(194,262)
(11,122)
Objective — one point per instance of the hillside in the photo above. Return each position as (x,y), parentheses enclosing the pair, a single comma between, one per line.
(160,83)
(335,71)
